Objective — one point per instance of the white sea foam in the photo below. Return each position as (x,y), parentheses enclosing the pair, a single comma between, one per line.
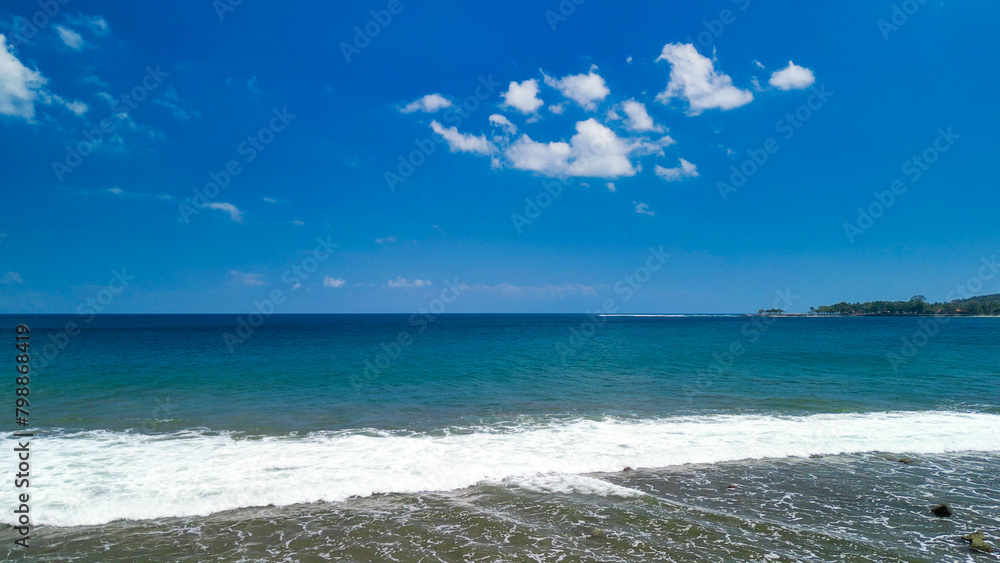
(96,477)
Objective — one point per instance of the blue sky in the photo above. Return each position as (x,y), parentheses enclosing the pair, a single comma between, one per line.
(636,115)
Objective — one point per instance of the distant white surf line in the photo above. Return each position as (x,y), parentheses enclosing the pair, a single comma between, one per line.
(666,315)
(100,476)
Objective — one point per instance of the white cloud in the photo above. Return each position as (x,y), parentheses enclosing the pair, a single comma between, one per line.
(333,282)
(122,193)
(684,170)
(611,187)
(792,77)
(459,142)
(594,151)
(253,85)
(11,278)
(547,291)
(19,85)
(386,240)
(523,97)
(503,123)
(405,283)
(269,199)
(298,223)
(172,101)
(584,89)
(248,279)
(638,117)
(643,208)
(72,39)
(76,106)
(693,77)
(428,104)
(234,213)
(557,109)
(94,24)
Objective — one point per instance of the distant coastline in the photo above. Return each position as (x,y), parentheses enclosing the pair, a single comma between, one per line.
(916,306)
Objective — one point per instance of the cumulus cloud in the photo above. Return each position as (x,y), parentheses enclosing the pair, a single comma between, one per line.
(594,151)
(523,97)
(684,170)
(637,118)
(11,278)
(792,77)
(72,39)
(503,123)
(584,89)
(234,213)
(643,209)
(611,187)
(460,142)
(333,282)
(20,86)
(694,78)
(428,104)
(401,282)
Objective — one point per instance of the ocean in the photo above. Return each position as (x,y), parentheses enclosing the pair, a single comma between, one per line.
(505,438)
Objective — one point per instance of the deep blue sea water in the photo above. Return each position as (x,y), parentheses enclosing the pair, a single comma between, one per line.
(375,437)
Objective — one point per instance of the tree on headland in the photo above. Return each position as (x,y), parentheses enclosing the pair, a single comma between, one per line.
(917,305)
(774,311)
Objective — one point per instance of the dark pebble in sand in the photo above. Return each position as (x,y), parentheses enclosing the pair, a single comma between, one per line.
(978,541)
(941,511)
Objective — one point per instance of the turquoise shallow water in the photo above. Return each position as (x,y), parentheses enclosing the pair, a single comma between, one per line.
(308,372)
(358,428)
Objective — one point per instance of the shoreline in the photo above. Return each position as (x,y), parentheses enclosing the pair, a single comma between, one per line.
(816,315)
